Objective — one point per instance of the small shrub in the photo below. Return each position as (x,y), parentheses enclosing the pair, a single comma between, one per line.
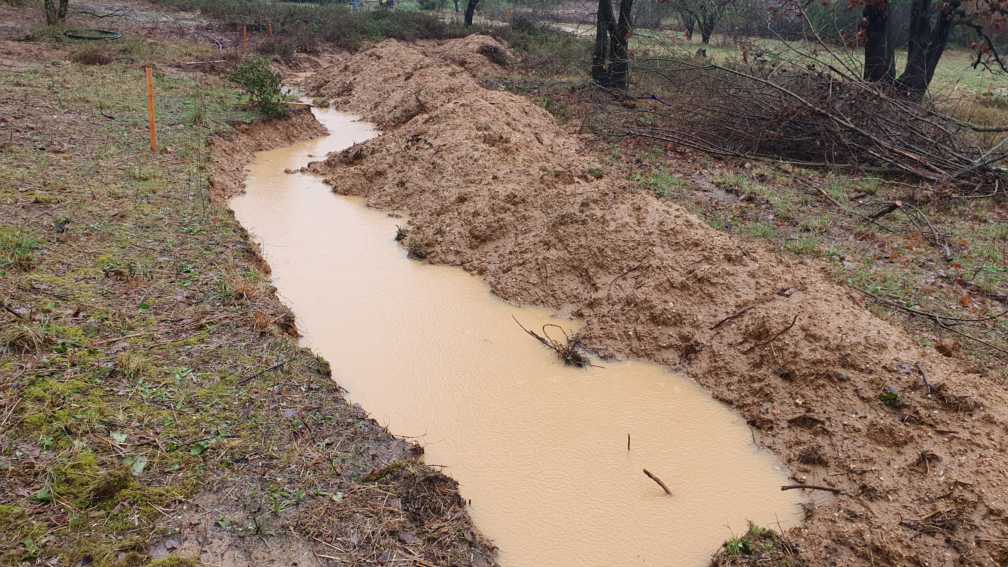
(891,398)
(263,86)
(91,55)
(758,546)
(282,48)
(132,365)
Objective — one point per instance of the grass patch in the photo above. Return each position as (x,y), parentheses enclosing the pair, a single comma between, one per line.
(758,546)
(17,249)
(661,183)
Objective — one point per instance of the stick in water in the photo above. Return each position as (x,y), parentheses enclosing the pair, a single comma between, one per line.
(652,476)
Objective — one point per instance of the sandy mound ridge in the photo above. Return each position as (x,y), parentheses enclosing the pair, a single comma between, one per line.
(492,184)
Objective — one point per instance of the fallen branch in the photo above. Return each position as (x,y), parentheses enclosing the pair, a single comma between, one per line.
(811,487)
(733,316)
(251,377)
(773,338)
(569,351)
(653,477)
(923,374)
(11,310)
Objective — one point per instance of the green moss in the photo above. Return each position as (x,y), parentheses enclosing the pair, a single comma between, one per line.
(19,534)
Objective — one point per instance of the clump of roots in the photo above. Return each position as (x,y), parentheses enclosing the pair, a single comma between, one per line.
(570,350)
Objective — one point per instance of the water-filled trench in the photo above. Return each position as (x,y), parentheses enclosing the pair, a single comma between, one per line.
(538,448)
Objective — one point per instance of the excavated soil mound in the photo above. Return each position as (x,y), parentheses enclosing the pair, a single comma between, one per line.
(492,184)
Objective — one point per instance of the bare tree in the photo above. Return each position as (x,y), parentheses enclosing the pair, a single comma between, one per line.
(688,24)
(470,11)
(56,13)
(879,46)
(706,14)
(929,34)
(610,59)
(929,28)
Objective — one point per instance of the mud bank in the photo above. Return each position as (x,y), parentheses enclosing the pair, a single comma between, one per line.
(233,151)
(493,185)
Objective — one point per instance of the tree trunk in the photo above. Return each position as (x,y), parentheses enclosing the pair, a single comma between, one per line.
(619,68)
(456,6)
(707,25)
(603,27)
(56,12)
(879,50)
(688,23)
(926,46)
(470,12)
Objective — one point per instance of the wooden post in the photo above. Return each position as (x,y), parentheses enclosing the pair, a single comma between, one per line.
(244,38)
(269,28)
(151,114)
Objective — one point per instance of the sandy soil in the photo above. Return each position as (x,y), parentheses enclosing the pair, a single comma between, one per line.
(492,184)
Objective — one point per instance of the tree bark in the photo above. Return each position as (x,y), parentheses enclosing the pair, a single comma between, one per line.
(603,27)
(926,46)
(688,23)
(879,49)
(56,12)
(470,12)
(619,67)
(707,25)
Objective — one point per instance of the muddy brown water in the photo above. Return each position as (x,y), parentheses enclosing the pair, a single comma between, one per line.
(540,449)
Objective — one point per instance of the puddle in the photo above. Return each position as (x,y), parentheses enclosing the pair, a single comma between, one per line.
(540,449)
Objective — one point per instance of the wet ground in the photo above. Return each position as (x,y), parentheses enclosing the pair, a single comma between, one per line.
(540,449)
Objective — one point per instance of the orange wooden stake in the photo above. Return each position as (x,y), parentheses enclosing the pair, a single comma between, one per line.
(151,114)
(269,27)
(244,38)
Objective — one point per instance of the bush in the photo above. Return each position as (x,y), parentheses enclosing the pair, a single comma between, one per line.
(262,85)
(91,55)
(306,25)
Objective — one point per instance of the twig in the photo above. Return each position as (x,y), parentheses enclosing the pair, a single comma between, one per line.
(625,273)
(652,476)
(246,379)
(811,487)
(203,62)
(10,310)
(734,315)
(885,211)
(923,374)
(14,406)
(934,316)
(774,337)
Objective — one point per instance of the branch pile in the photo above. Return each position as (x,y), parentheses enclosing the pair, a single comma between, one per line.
(804,116)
